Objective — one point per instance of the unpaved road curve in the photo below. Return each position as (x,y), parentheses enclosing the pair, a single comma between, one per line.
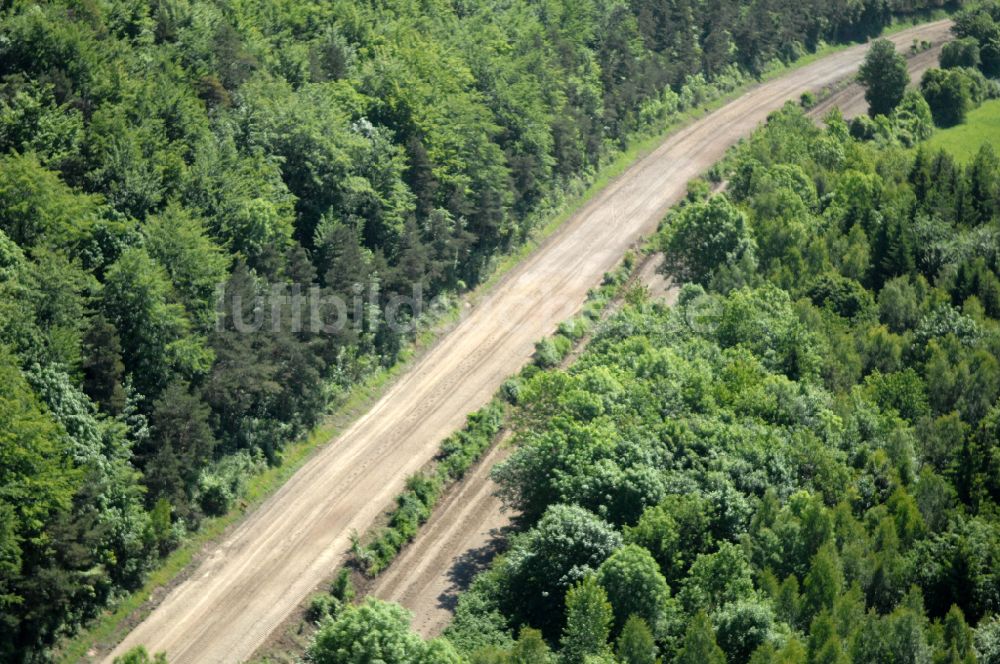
(259,573)
(463,531)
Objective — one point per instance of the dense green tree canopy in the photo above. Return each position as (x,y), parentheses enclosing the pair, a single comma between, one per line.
(816,442)
(169,170)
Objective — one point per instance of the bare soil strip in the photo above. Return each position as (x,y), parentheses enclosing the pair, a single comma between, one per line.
(441,561)
(251,580)
(851,99)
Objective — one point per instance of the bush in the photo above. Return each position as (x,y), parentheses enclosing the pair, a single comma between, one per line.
(510,391)
(574,328)
(912,120)
(218,487)
(416,503)
(549,352)
(960,53)
(342,588)
(947,93)
(863,128)
(322,606)
(214,495)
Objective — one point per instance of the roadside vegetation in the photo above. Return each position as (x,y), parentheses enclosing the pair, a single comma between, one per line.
(165,164)
(796,463)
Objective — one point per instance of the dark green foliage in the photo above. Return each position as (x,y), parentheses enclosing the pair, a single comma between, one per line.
(884,76)
(808,461)
(978,27)
(567,544)
(947,93)
(164,165)
(960,53)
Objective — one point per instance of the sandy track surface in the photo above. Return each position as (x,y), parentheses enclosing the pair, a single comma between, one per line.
(464,534)
(851,100)
(251,580)
(467,530)
(470,526)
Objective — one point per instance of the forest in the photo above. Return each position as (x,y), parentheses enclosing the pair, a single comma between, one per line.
(163,164)
(799,462)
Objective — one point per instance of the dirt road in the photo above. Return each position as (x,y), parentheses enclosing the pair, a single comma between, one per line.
(469,527)
(251,580)
(851,100)
(460,538)
(462,535)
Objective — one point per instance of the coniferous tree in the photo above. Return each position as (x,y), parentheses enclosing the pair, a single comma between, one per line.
(635,644)
(699,645)
(588,622)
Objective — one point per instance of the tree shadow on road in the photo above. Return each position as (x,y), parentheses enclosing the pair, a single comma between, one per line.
(469,564)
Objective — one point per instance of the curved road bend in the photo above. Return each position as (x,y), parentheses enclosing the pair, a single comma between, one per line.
(251,580)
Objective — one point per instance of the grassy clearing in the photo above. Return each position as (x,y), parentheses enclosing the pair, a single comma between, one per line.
(963,142)
(110,627)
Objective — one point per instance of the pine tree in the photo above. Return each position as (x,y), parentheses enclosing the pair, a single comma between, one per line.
(699,643)
(588,622)
(824,581)
(824,641)
(635,644)
(958,638)
(530,648)
(102,366)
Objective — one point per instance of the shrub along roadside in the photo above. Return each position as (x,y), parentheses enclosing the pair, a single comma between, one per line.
(414,505)
(373,552)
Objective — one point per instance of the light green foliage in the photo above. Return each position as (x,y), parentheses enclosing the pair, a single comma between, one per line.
(376,631)
(38,208)
(588,622)
(149,151)
(704,237)
(808,460)
(699,646)
(635,644)
(824,582)
(530,648)
(987,641)
(913,120)
(139,655)
(635,587)
(156,344)
(982,125)
(178,241)
(716,579)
